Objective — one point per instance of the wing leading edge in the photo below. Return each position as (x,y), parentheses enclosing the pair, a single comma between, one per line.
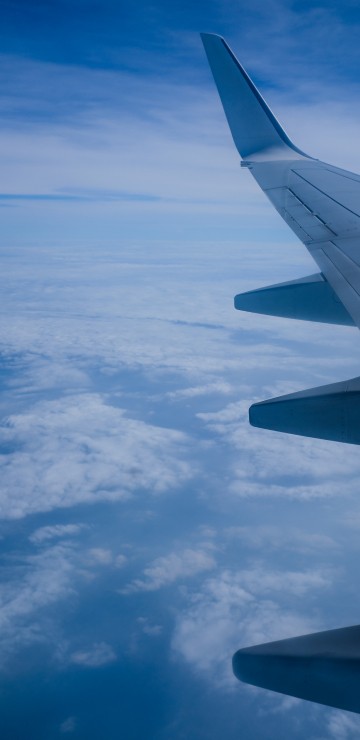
(321,204)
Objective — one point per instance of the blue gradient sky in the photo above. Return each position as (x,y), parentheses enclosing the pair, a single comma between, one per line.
(147,532)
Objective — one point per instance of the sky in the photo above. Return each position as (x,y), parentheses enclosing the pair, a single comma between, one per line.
(147,531)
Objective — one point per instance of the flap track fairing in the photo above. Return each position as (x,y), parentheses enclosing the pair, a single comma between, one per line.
(327,412)
(309,298)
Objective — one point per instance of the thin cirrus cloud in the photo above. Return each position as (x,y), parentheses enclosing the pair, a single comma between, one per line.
(131,141)
(84,195)
(55,531)
(143,148)
(274,537)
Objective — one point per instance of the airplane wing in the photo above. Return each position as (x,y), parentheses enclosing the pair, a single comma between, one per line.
(321,204)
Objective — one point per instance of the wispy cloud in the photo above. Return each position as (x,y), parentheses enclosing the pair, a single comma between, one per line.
(54,531)
(69,725)
(82,196)
(152,630)
(343,726)
(100,555)
(74,136)
(276,538)
(37,582)
(97,655)
(202,390)
(164,571)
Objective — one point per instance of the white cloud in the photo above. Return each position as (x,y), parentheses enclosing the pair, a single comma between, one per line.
(276,538)
(80,449)
(343,726)
(43,374)
(104,556)
(218,387)
(33,584)
(120,561)
(43,534)
(260,580)
(96,656)
(133,309)
(176,566)
(233,610)
(36,583)
(309,469)
(100,555)
(152,630)
(188,326)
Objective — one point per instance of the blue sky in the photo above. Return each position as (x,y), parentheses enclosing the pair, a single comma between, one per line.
(147,532)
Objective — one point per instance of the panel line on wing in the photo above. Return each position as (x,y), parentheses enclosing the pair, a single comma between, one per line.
(340,284)
(335,266)
(305,217)
(311,212)
(341,205)
(300,201)
(348,268)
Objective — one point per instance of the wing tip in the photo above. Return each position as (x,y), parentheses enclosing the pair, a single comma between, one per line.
(255,130)
(206,34)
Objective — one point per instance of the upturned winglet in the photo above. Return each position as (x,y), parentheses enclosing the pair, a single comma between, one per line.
(253,126)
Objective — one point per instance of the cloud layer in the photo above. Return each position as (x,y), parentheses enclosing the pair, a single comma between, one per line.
(82,450)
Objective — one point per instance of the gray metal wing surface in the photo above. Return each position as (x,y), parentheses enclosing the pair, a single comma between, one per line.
(321,204)
(323,667)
